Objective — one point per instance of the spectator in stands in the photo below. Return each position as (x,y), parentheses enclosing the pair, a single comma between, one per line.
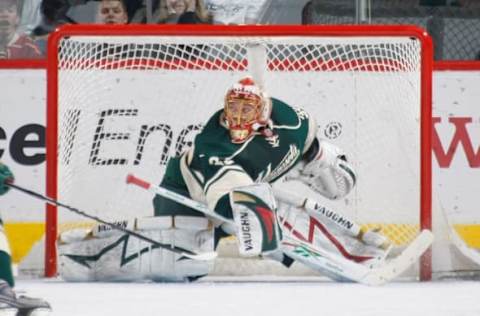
(54,13)
(182,12)
(238,11)
(31,16)
(112,12)
(135,8)
(14,45)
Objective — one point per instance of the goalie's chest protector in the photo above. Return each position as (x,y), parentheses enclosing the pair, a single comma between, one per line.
(263,157)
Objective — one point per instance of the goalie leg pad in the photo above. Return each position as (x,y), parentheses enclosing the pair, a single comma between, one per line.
(115,256)
(189,232)
(254,212)
(321,233)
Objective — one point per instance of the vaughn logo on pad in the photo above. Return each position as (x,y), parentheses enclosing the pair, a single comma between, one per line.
(258,230)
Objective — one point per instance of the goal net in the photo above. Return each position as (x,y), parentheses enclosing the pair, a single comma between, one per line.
(124,100)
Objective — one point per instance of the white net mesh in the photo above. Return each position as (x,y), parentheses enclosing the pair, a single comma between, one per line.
(128,103)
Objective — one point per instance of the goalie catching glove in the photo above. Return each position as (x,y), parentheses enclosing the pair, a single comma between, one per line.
(325,170)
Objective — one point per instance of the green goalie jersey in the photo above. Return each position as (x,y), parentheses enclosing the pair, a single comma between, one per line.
(214,165)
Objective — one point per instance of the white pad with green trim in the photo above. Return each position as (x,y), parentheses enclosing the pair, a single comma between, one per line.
(254,212)
(102,254)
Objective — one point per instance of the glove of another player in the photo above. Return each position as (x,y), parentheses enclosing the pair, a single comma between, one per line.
(5,175)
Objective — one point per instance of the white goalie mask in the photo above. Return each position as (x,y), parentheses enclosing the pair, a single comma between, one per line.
(246,109)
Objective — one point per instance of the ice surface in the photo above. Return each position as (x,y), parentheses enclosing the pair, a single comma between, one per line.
(262,297)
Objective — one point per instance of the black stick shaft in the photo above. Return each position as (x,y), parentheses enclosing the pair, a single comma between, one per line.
(172,248)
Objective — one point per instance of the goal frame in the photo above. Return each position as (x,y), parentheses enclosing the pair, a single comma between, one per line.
(425,216)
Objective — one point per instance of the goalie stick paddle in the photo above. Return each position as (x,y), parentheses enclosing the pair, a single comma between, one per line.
(339,268)
(131,179)
(178,250)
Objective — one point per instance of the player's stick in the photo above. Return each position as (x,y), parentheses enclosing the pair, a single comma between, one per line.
(333,265)
(178,250)
(471,253)
(457,241)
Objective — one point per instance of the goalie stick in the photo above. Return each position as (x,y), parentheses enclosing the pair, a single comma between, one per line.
(467,251)
(457,241)
(331,264)
(340,268)
(178,250)
(131,179)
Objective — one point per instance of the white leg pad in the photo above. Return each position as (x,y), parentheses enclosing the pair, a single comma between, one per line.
(321,233)
(120,257)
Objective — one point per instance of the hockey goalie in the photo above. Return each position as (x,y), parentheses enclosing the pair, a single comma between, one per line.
(245,147)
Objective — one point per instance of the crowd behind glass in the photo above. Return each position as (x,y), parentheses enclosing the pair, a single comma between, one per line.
(25,24)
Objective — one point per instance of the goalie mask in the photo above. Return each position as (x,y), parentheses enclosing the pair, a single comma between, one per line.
(246,109)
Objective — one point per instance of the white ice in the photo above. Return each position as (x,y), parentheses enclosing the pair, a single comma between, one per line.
(264,297)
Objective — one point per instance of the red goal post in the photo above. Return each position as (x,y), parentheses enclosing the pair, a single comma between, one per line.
(107,83)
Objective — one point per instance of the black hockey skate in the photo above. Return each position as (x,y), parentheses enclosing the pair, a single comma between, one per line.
(11,305)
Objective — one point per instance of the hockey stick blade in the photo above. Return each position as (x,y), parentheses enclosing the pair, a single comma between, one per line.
(468,252)
(402,262)
(178,250)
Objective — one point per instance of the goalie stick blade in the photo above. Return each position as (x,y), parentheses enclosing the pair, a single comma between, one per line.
(402,262)
(468,252)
